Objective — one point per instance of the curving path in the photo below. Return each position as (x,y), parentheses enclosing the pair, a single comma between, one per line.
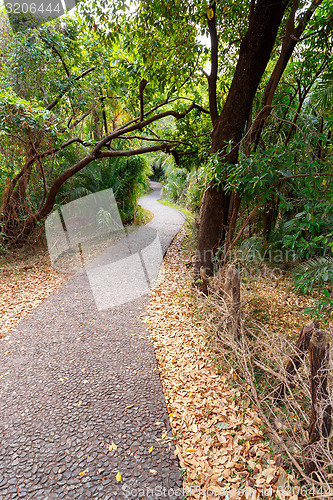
(74,380)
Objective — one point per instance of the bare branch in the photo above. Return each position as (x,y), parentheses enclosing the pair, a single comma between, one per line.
(142,87)
(204,73)
(141,138)
(79,120)
(58,54)
(61,179)
(139,126)
(212,78)
(298,176)
(133,152)
(292,124)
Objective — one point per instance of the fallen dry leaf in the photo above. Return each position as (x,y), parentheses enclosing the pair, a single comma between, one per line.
(217,433)
(23,287)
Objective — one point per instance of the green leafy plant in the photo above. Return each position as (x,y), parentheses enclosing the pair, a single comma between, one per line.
(127,177)
(316,272)
(323,308)
(175,182)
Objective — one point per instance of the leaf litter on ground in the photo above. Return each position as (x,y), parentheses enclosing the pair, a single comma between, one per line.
(23,287)
(218,436)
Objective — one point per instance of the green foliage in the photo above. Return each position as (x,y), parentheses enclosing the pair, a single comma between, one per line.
(19,116)
(307,233)
(303,230)
(322,96)
(128,177)
(159,54)
(159,41)
(194,190)
(142,216)
(175,182)
(43,66)
(21,21)
(261,171)
(104,219)
(316,272)
(251,251)
(323,308)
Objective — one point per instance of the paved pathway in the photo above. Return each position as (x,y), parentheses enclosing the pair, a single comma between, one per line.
(73,381)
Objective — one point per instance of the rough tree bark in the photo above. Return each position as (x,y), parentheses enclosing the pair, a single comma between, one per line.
(321,410)
(320,422)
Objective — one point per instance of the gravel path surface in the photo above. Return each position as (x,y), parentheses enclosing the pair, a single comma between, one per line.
(74,380)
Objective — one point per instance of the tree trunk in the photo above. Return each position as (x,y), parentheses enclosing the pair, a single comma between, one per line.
(320,422)
(97,132)
(16,217)
(254,55)
(234,206)
(292,127)
(321,410)
(269,214)
(213,222)
(7,190)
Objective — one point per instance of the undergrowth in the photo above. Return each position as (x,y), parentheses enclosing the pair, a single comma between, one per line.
(271,321)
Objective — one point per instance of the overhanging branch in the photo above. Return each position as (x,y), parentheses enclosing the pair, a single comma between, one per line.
(138,126)
(133,152)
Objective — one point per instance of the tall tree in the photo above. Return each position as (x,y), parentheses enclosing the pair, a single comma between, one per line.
(245,31)
(44,113)
(219,210)
(156,61)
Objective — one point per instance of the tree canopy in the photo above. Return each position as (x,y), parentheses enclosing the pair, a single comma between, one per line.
(119,79)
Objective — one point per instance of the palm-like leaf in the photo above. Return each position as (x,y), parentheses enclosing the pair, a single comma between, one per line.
(316,271)
(126,176)
(322,95)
